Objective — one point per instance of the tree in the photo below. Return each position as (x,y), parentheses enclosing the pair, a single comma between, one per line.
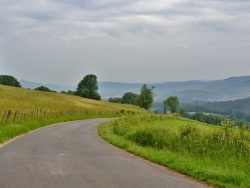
(68,92)
(129,98)
(43,88)
(182,111)
(88,87)
(146,97)
(115,99)
(9,81)
(171,103)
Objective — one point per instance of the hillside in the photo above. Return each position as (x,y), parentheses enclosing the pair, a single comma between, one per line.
(216,154)
(23,110)
(188,91)
(25,99)
(235,109)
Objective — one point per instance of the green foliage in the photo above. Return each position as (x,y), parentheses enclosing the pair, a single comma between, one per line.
(43,88)
(234,109)
(9,81)
(143,137)
(182,111)
(68,92)
(88,87)
(88,82)
(115,99)
(171,103)
(129,98)
(210,119)
(85,93)
(146,97)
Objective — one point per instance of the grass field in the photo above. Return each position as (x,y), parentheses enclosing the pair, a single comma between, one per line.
(22,110)
(25,99)
(217,155)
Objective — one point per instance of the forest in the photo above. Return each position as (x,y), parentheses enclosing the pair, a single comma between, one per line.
(234,109)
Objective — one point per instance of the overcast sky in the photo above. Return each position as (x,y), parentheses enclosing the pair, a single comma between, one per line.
(61,41)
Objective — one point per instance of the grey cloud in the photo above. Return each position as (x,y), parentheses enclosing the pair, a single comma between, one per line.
(104,35)
(41,16)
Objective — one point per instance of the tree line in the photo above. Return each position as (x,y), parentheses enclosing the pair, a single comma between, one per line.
(144,100)
(234,109)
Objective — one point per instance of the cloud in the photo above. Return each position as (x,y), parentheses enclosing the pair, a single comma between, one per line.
(104,35)
(103,16)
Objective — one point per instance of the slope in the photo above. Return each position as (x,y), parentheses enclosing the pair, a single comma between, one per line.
(23,110)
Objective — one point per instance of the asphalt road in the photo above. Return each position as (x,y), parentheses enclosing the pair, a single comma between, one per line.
(73,155)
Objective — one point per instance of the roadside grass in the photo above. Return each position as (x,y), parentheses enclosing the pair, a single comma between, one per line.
(23,110)
(13,129)
(216,155)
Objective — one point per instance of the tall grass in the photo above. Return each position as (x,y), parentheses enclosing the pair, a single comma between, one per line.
(22,110)
(25,99)
(218,155)
(10,130)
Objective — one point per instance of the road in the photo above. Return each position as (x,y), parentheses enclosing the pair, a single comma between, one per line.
(73,155)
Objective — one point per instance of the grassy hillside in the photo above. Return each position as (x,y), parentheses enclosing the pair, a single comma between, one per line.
(25,99)
(217,155)
(22,110)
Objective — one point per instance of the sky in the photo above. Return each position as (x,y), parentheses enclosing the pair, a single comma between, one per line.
(61,41)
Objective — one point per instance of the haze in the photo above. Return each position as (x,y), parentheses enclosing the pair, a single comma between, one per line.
(60,41)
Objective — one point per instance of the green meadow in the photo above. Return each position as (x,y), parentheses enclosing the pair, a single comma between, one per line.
(216,155)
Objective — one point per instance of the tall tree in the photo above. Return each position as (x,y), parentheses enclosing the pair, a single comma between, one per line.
(146,97)
(88,87)
(129,98)
(171,103)
(9,81)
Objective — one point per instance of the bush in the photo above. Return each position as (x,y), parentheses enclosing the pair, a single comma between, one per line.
(143,138)
(43,88)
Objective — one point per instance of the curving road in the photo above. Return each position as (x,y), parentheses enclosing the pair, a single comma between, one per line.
(73,155)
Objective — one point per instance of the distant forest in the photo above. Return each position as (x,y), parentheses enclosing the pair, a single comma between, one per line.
(235,109)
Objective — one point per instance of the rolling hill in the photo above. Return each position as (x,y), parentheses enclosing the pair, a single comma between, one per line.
(25,99)
(188,91)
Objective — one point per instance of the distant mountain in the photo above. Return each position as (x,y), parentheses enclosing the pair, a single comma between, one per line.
(115,89)
(188,91)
